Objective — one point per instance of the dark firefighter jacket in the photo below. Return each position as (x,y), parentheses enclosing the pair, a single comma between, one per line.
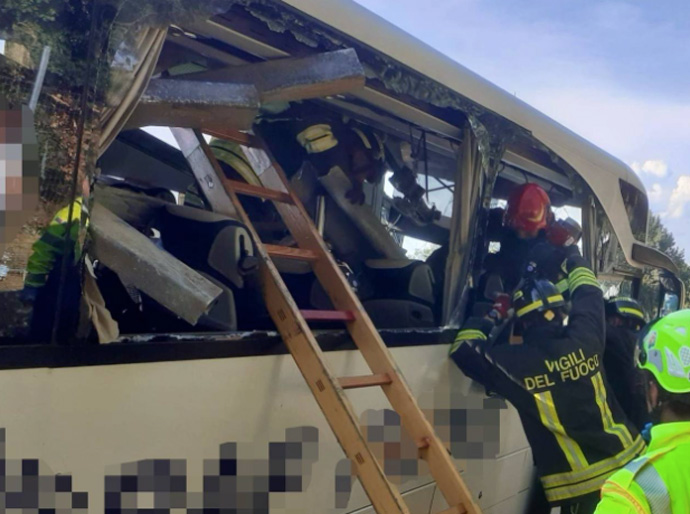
(511,261)
(295,136)
(622,374)
(576,428)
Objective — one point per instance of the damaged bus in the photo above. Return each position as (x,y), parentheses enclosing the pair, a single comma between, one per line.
(152,397)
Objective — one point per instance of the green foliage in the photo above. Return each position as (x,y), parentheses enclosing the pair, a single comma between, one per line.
(161,13)
(61,24)
(23,11)
(64,25)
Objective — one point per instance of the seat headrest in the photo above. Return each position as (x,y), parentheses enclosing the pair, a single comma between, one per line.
(388,263)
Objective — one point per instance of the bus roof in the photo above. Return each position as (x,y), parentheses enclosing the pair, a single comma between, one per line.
(598,168)
(372,35)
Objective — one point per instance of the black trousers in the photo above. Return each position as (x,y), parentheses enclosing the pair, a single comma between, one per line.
(537,499)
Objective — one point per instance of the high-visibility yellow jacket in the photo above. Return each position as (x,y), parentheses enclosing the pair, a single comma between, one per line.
(657,482)
(50,247)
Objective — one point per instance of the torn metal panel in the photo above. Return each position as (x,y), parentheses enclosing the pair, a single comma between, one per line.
(138,261)
(289,80)
(184,103)
(206,170)
(337,183)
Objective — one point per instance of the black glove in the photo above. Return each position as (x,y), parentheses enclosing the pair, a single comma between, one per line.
(548,260)
(571,254)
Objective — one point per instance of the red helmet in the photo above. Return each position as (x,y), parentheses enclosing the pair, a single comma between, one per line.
(529,208)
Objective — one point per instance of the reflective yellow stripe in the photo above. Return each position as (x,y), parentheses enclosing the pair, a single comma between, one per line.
(466,335)
(470,333)
(581,271)
(63,214)
(631,310)
(549,417)
(597,469)
(363,137)
(529,308)
(617,429)
(581,276)
(571,491)
(317,138)
(582,282)
(380,152)
(556,298)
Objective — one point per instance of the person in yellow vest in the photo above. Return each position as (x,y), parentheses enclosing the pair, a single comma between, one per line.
(51,245)
(41,285)
(658,482)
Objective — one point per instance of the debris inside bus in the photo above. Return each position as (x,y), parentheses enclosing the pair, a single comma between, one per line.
(141,126)
(233,181)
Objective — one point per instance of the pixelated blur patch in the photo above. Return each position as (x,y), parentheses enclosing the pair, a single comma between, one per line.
(469,426)
(230,483)
(392,447)
(28,486)
(19,169)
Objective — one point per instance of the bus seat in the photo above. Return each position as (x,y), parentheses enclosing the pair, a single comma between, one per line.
(303,285)
(336,183)
(208,242)
(223,315)
(399,293)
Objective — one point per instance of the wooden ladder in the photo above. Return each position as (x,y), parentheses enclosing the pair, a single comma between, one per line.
(294,329)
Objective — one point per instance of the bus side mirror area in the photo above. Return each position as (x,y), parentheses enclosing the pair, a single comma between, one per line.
(671,293)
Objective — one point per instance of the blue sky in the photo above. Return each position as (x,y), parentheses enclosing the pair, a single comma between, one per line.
(615,72)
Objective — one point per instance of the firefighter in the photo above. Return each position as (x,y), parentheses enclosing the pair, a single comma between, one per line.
(300,135)
(577,430)
(659,480)
(44,267)
(624,319)
(527,215)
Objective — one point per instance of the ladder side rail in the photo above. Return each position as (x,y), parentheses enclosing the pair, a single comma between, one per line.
(366,336)
(311,362)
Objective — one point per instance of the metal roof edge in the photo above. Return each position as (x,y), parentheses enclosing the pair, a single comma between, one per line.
(598,168)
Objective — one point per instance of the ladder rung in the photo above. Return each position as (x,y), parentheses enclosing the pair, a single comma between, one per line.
(242,188)
(314,315)
(364,381)
(290,253)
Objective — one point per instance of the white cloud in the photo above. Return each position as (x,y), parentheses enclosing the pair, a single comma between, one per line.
(656,193)
(657,167)
(679,197)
